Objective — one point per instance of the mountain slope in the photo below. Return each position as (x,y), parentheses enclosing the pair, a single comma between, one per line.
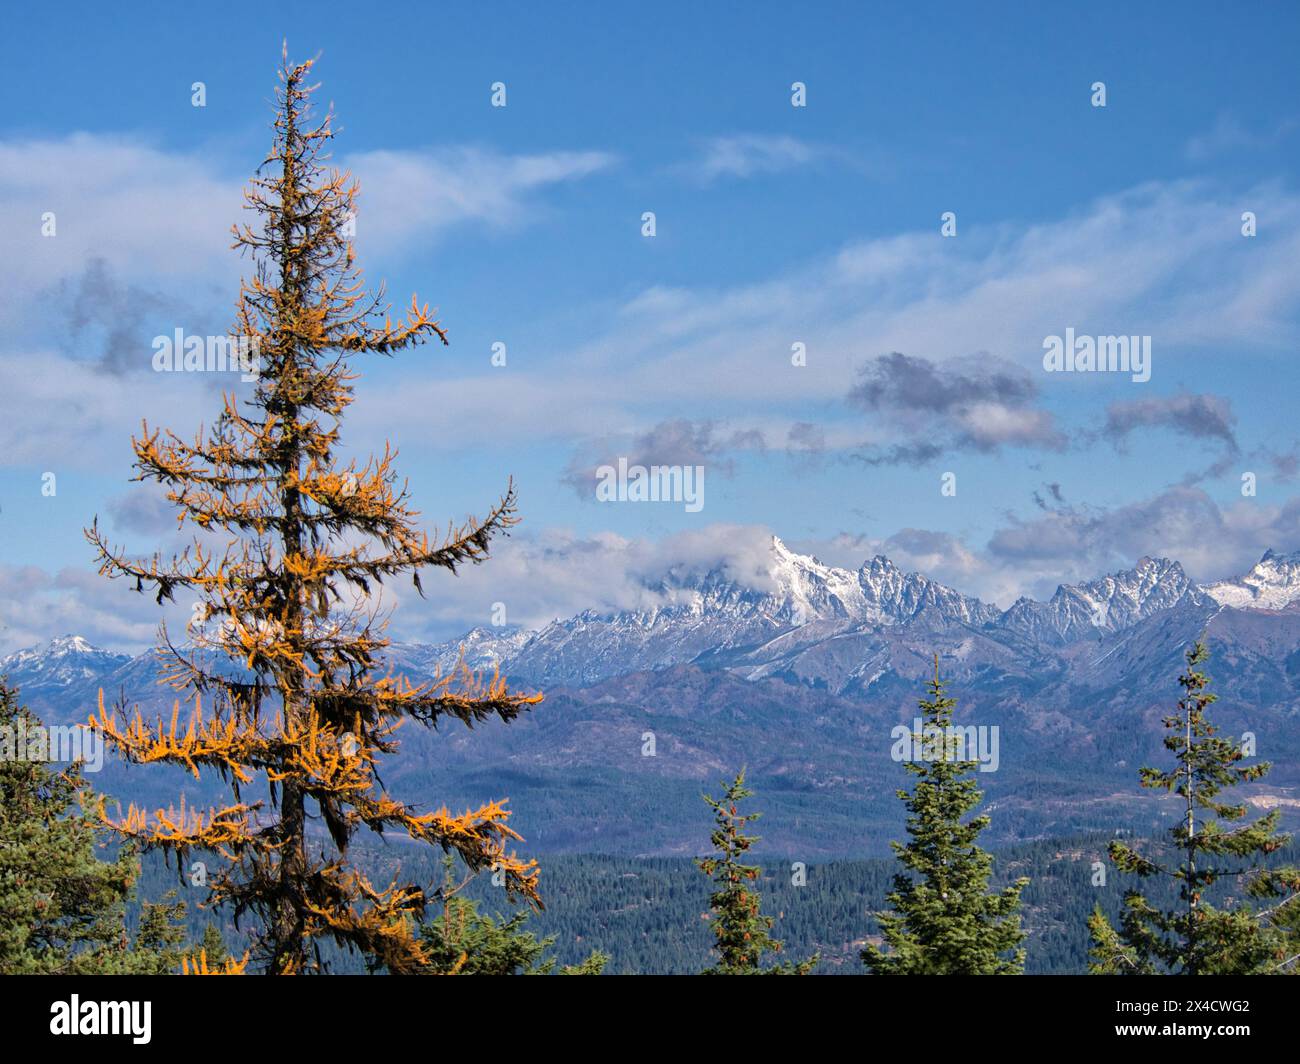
(64,663)
(1273,584)
(802,673)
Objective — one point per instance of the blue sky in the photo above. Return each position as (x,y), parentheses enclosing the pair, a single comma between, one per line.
(775,225)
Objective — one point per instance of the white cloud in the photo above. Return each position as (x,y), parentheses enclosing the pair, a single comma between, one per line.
(61,414)
(1163,259)
(38,605)
(1160,260)
(557,573)
(154,225)
(408,196)
(746,155)
(147,212)
(165,216)
(539,577)
(1229,136)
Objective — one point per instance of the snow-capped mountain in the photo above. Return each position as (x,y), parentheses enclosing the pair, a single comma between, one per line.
(711,616)
(1110,604)
(481,649)
(895,597)
(837,626)
(1273,584)
(64,662)
(801,670)
(796,618)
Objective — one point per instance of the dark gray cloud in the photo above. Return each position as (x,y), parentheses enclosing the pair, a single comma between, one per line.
(685,442)
(113,323)
(1056,496)
(1183,522)
(901,454)
(1205,417)
(1285,463)
(675,442)
(898,382)
(805,441)
(971,404)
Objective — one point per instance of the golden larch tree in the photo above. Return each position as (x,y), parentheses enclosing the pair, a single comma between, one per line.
(290,544)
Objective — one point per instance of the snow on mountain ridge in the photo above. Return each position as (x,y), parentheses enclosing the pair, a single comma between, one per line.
(800,590)
(1108,604)
(1273,583)
(62,662)
(697,615)
(480,648)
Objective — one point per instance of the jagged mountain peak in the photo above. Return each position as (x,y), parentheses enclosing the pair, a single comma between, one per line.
(767,607)
(1109,603)
(59,646)
(1272,583)
(482,647)
(781,550)
(71,644)
(896,597)
(63,661)
(802,589)
(780,594)
(1158,577)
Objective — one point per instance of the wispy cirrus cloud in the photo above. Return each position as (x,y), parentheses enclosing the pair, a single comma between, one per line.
(141,246)
(1164,260)
(151,213)
(1229,134)
(409,195)
(746,156)
(750,155)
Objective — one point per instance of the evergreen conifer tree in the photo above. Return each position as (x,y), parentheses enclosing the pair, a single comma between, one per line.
(463,941)
(214,946)
(943,919)
(63,905)
(1195,937)
(741,932)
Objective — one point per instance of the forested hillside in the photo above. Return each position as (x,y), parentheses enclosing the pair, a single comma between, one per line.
(650,914)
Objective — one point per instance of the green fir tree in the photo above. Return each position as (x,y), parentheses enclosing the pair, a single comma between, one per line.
(741,931)
(214,946)
(463,941)
(163,938)
(943,919)
(1210,843)
(63,905)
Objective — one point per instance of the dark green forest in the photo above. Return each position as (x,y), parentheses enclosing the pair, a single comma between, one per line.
(649,914)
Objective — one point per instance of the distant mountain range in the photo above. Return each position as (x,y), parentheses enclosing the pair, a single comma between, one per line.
(853,632)
(800,674)
(63,664)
